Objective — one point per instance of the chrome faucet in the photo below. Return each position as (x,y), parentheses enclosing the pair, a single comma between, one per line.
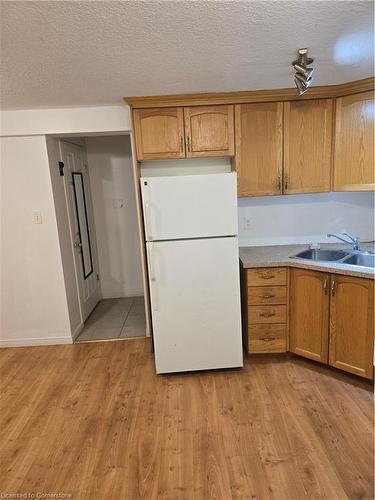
(354,241)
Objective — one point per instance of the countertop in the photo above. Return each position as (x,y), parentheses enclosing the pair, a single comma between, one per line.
(275,256)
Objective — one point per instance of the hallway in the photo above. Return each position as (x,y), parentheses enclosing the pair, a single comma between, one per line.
(114,319)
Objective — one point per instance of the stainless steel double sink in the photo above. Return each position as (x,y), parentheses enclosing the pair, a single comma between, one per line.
(353,258)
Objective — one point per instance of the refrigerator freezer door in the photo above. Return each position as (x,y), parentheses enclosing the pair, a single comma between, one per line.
(195,300)
(190,206)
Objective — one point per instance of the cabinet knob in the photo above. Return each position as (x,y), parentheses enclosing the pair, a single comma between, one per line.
(268,339)
(333,287)
(268,296)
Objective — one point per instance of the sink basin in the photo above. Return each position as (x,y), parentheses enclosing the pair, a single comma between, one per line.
(322,254)
(361,259)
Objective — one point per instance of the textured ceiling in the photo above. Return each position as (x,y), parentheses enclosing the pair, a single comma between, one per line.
(91,53)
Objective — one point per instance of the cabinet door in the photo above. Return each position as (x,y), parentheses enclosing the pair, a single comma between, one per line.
(352,325)
(159,133)
(354,143)
(307,146)
(209,131)
(259,148)
(309,314)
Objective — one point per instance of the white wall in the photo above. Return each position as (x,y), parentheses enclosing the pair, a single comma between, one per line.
(34,307)
(111,179)
(33,301)
(82,120)
(280,220)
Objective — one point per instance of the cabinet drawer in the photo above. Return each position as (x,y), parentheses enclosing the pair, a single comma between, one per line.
(266,314)
(265,276)
(257,295)
(266,338)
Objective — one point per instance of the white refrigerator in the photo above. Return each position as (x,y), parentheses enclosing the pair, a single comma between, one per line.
(192,252)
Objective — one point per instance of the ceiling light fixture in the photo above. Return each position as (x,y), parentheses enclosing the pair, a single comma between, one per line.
(303,75)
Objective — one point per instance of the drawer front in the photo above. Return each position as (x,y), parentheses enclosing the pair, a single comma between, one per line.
(267,338)
(257,295)
(266,276)
(266,314)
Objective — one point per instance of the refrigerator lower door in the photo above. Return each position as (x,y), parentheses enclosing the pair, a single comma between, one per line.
(190,206)
(195,300)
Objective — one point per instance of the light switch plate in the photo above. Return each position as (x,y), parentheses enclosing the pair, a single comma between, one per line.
(37,217)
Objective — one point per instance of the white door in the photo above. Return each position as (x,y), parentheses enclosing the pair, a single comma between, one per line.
(189,206)
(195,301)
(77,190)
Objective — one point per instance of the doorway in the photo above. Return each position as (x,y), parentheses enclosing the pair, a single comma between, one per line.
(104,231)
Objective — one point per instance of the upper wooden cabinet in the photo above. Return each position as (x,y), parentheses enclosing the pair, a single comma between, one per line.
(309,314)
(159,133)
(285,143)
(209,131)
(307,146)
(352,325)
(259,148)
(199,131)
(354,143)
(284,148)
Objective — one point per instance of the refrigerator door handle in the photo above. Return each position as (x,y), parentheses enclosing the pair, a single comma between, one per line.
(152,267)
(153,284)
(146,197)
(148,221)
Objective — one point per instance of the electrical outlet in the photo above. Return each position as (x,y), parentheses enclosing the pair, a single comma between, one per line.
(247,223)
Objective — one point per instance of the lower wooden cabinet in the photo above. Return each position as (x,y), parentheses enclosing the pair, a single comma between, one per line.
(332,319)
(352,325)
(324,317)
(266,293)
(309,314)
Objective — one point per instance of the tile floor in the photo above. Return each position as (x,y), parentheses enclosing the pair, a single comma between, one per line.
(115,319)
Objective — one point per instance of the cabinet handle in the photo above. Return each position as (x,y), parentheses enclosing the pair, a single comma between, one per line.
(279,182)
(267,315)
(267,339)
(268,296)
(181,144)
(188,144)
(325,286)
(286,180)
(267,276)
(333,287)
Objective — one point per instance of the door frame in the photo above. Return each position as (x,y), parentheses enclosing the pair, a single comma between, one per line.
(140,224)
(141,232)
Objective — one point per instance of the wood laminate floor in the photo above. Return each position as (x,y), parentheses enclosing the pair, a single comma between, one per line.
(93,420)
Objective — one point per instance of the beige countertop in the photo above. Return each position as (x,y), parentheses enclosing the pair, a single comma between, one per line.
(275,256)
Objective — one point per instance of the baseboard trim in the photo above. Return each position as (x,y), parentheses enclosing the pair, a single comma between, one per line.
(120,294)
(36,341)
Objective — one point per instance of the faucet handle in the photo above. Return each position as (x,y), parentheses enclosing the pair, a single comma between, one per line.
(354,239)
